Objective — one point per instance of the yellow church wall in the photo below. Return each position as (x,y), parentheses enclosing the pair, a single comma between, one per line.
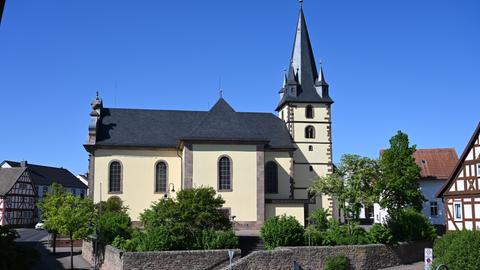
(242,200)
(138,176)
(283,161)
(294,210)
(319,112)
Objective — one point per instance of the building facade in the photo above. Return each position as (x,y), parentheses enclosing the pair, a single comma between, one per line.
(44,176)
(260,163)
(461,193)
(17,198)
(436,166)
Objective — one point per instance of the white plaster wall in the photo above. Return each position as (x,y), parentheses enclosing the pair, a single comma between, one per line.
(429,190)
(138,176)
(243,198)
(284,162)
(294,210)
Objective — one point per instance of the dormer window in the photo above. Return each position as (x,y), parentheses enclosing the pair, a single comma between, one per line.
(309,112)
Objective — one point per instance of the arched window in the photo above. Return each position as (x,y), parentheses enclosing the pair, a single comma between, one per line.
(309,112)
(224,174)
(309,132)
(161,177)
(271,177)
(115,177)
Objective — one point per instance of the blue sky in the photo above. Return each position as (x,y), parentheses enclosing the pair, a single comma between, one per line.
(392,65)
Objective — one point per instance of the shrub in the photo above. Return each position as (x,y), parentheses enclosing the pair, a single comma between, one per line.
(410,225)
(112,224)
(282,231)
(192,221)
(336,263)
(349,234)
(319,219)
(313,237)
(380,234)
(458,250)
(211,239)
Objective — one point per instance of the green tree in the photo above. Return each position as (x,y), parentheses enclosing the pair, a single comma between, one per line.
(67,214)
(351,183)
(49,205)
(399,187)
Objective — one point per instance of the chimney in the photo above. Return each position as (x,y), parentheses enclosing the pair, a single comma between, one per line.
(23,163)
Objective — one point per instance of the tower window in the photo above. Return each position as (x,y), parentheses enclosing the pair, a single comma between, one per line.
(271,177)
(310,148)
(309,112)
(310,168)
(224,174)
(310,132)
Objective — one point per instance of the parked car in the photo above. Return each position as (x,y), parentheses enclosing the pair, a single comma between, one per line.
(39,226)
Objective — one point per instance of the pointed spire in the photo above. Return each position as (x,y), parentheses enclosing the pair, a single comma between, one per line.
(284,78)
(303,83)
(321,78)
(302,54)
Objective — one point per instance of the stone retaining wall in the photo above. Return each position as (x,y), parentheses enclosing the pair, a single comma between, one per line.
(114,259)
(361,257)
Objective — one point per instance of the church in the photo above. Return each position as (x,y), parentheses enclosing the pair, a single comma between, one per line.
(262,164)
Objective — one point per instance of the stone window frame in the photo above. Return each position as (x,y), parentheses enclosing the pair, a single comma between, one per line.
(231,174)
(227,212)
(155,177)
(121,177)
(309,112)
(275,191)
(310,132)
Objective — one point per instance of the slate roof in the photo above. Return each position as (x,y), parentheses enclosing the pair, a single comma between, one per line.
(8,177)
(44,175)
(166,128)
(302,59)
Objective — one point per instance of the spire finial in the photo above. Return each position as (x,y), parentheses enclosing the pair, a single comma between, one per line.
(301,3)
(220,90)
(98,95)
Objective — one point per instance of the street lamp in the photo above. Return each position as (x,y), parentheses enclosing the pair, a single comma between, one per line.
(171,188)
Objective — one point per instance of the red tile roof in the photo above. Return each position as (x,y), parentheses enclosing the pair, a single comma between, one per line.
(437,162)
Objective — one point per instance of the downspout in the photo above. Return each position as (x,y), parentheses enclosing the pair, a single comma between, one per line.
(179,154)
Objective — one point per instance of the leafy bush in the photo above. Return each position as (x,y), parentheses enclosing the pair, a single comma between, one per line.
(349,234)
(458,250)
(192,221)
(282,231)
(336,263)
(410,225)
(313,237)
(211,239)
(319,219)
(112,224)
(381,234)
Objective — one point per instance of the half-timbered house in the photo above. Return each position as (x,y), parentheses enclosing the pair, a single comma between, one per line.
(461,193)
(17,197)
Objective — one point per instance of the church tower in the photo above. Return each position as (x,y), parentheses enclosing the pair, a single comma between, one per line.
(305,107)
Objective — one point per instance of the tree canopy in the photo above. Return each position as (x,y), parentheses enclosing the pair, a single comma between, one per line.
(399,185)
(351,183)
